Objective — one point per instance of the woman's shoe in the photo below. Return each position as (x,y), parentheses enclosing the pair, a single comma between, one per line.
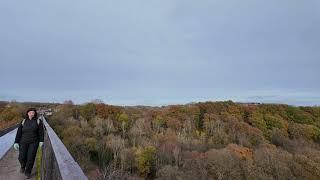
(28,175)
(22,170)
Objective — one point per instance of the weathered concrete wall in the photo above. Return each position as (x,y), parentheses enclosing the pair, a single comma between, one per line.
(6,142)
(49,166)
(5,131)
(57,162)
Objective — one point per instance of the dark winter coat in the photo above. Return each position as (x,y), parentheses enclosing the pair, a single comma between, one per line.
(30,131)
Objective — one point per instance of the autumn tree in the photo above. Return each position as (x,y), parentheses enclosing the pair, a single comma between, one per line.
(88,111)
(145,160)
(123,119)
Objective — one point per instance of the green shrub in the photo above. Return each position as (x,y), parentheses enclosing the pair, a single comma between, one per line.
(145,160)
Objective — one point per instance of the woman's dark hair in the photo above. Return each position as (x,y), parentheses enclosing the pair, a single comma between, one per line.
(35,113)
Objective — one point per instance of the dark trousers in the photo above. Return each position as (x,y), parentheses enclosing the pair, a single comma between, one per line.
(27,155)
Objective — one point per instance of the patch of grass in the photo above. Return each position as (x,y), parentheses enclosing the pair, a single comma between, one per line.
(38,161)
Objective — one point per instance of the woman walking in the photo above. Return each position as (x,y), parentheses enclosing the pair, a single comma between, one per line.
(29,136)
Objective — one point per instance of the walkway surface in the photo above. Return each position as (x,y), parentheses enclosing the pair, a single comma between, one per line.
(9,163)
(10,167)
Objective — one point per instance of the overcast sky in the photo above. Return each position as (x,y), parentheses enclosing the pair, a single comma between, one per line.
(157,52)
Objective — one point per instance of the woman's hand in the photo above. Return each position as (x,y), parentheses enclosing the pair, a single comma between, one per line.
(16,146)
(41,144)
